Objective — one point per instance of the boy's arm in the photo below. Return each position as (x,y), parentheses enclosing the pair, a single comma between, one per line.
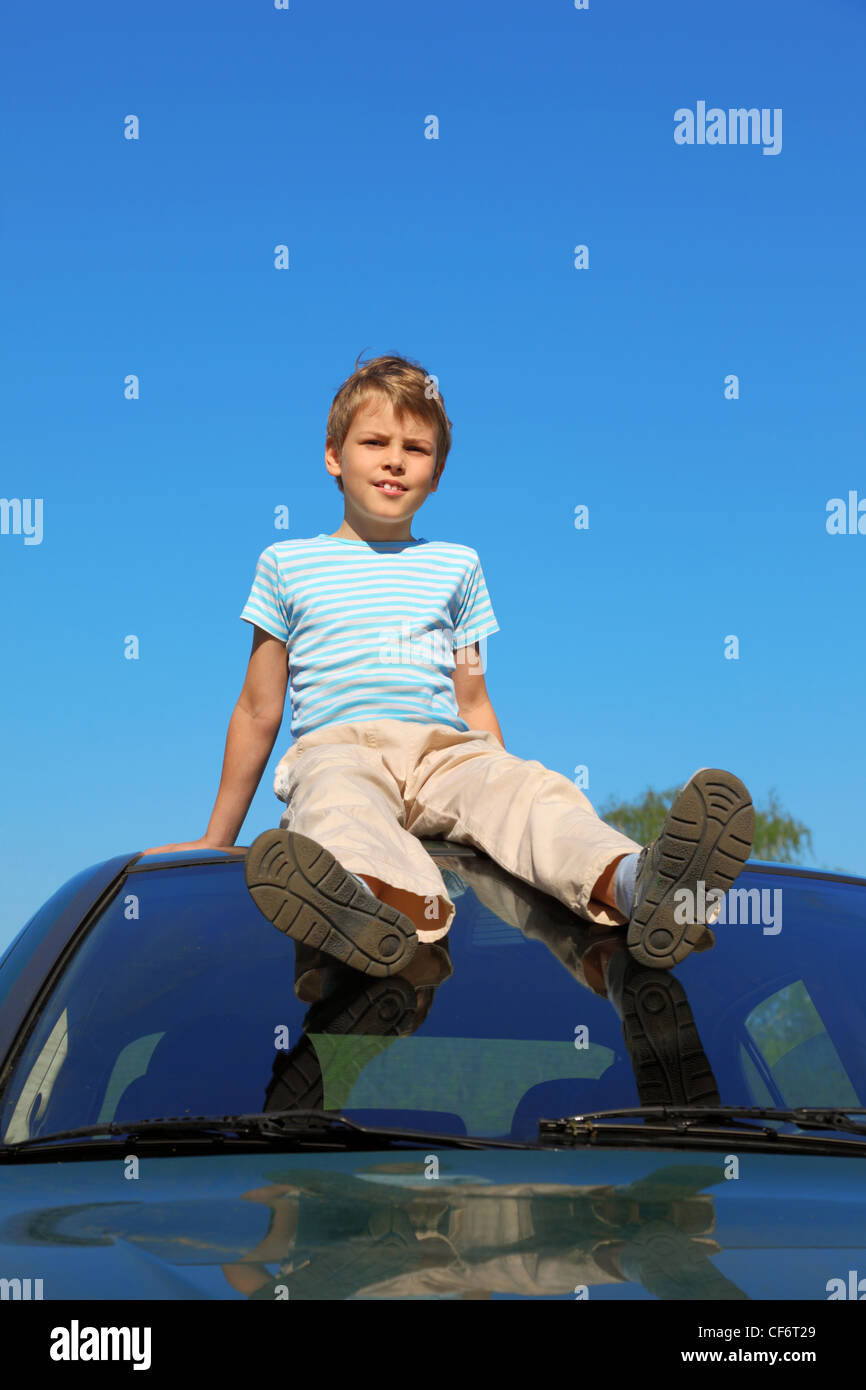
(470,689)
(252,732)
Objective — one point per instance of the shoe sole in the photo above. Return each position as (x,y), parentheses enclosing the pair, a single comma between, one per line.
(382,1008)
(662,1040)
(305,892)
(707,836)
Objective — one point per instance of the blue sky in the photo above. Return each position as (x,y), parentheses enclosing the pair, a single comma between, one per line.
(602,387)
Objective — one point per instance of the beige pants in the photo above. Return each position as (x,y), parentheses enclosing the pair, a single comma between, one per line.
(370,791)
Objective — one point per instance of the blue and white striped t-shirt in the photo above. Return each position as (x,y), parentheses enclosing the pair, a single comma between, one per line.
(372,627)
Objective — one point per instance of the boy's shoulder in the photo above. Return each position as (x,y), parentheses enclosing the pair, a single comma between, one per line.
(459,547)
(294,546)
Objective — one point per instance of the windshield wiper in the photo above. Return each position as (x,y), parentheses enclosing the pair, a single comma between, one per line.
(284,1127)
(686,1117)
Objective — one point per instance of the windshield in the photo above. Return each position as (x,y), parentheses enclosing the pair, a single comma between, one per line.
(183,1000)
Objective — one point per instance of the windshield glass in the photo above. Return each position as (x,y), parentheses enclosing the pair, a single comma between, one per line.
(183,1000)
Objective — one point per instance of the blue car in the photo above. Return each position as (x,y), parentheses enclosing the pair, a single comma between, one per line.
(193,1106)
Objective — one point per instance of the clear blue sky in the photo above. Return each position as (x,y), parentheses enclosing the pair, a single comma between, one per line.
(602,387)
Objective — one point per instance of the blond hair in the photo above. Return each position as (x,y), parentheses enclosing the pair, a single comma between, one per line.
(411,391)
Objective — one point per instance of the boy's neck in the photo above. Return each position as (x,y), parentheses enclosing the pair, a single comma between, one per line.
(348,533)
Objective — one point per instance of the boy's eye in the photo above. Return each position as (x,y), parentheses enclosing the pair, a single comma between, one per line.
(416,447)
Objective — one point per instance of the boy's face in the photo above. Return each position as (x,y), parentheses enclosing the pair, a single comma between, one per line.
(378,448)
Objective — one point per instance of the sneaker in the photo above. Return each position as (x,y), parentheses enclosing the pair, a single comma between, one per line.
(382,1009)
(671,1263)
(707,837)
(305,892)
(660,1034)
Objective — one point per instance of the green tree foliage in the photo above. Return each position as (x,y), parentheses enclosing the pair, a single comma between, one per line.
(778,836)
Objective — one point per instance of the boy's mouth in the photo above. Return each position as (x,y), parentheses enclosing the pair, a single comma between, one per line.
(393,489)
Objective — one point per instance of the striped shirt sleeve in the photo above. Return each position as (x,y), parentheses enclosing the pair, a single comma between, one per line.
(265,606)
(475,617)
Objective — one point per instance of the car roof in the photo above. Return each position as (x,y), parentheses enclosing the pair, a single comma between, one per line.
(138,862)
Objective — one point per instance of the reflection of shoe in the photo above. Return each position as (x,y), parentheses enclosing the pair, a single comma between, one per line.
(367,1008)
(314,971)
(707,837)
(672,1265)
(300,887)
(663,1043)
(384,1008)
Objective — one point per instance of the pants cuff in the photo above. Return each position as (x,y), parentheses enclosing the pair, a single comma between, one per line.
(436,933)
(592,908)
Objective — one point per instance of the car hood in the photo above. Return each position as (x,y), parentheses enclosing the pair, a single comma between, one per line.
(452,1224)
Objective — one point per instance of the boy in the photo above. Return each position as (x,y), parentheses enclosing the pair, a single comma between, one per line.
(395,736)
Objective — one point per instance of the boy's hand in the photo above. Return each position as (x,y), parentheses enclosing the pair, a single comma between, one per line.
(203,843)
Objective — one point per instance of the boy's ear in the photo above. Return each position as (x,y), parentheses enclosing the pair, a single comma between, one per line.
(332,458)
